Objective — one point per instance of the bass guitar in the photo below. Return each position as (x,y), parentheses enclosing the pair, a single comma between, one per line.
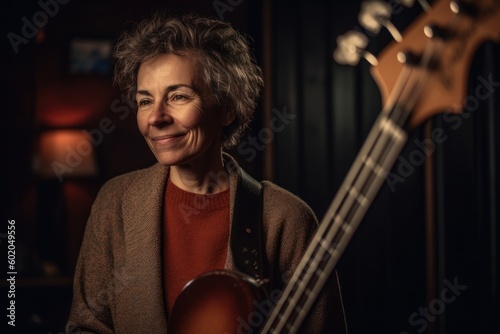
(423,74)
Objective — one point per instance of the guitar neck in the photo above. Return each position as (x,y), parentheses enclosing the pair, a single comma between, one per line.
(404,85)
(382,146)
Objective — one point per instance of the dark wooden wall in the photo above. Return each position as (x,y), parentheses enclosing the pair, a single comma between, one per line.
(386,274)
(394,268)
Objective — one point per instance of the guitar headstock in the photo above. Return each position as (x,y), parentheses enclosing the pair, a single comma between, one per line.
(446,85)
(459,28)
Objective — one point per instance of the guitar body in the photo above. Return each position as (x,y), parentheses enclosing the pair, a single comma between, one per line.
(219,302)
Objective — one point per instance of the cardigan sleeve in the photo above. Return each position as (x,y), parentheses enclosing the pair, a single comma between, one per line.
(289,225)
(94,283)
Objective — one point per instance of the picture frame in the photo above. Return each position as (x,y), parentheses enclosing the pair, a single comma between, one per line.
(90,56)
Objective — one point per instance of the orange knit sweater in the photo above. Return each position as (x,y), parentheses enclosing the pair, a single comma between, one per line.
(196,234)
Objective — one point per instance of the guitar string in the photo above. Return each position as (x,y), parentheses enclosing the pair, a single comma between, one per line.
(327,228)
(324,257)
(404,113)
(323,252)
(331,230)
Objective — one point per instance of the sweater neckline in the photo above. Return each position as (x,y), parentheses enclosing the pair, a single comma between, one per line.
(208,202)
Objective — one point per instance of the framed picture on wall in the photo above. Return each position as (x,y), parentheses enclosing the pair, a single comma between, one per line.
(90,56)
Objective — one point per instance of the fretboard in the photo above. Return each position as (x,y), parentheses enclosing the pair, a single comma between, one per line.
(382,146)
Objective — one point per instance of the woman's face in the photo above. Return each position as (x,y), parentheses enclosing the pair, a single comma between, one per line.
(176,113)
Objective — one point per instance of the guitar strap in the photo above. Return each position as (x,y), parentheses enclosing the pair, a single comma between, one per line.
(246,237)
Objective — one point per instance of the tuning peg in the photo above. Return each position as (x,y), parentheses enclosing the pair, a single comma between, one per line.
(374,15)
(435,31)
(351,48)
(461,7)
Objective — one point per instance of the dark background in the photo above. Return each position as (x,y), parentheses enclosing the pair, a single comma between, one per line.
(394,266)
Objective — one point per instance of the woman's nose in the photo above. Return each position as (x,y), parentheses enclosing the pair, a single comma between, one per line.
(160,116)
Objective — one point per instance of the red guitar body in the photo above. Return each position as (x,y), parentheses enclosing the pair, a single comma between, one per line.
(219,302)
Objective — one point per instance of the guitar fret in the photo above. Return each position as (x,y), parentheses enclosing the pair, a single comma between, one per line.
(390,137)
(320,274)
(351,212)
(298,309)
(347,228)
(360,198)
(379,170)
(313,263)
(326,246)
(339,235)
(389,126)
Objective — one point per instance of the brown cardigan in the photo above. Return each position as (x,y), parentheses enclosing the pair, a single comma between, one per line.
(118,280)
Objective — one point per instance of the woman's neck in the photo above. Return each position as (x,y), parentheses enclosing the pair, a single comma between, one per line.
(201,178)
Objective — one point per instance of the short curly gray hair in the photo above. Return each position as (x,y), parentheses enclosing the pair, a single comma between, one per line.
(226,64)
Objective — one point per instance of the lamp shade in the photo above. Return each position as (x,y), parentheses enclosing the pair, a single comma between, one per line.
(64,154)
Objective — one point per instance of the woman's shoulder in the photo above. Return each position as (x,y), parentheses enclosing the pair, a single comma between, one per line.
(140,178)
(282,202)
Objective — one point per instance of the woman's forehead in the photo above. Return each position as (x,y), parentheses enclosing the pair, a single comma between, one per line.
(169,69)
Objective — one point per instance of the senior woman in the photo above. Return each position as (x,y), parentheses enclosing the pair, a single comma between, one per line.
(151,231)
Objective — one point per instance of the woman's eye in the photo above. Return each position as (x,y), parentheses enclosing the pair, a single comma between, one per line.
(178,97)
(144,103)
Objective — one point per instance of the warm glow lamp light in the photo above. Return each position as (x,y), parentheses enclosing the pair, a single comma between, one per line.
(65,153)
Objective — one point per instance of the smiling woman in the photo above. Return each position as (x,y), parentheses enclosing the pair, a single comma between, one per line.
(178,119)
(195,84)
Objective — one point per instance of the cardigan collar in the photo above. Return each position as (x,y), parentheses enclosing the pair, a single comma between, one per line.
(142,212)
